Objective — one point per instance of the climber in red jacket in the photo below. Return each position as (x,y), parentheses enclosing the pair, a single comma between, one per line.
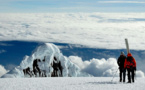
(130,65)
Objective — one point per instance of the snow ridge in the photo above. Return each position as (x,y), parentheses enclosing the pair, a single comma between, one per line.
(49,51)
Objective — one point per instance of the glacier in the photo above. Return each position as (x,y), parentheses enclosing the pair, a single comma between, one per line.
(49,51)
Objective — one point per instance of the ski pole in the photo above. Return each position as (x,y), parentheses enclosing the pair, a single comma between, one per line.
(135,74)
(114,75)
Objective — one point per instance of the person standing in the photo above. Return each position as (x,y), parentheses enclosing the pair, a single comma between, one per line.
(55,67)
(130,64)
(36,68)
(120,63)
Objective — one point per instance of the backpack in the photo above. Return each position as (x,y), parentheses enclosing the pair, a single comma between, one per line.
(130,62)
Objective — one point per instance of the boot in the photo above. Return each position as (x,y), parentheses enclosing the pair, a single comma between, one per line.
(120,80)
(129,82)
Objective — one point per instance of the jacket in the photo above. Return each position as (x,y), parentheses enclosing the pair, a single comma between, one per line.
(130,61)
(121,61)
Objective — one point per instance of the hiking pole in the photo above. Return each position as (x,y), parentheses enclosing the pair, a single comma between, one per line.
(114,75)
(135,74)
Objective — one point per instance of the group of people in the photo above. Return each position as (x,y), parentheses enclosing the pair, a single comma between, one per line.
(127,63)
(40,68)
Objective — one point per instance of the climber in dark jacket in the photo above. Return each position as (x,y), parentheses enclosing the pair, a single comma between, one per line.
(122,70)
(57,67)
(36,68)
(27,71)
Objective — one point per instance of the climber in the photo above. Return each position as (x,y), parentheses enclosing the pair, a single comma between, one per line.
(36,68)
(122,70)
(130,64)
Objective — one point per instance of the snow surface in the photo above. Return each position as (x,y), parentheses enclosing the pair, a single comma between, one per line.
(50,51)
(69,83)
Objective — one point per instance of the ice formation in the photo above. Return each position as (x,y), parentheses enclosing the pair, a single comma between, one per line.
(49,51)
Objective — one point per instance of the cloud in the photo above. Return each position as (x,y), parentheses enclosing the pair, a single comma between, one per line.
(2,70)
(139,73)
(139,2)
(94,30)
(100,67)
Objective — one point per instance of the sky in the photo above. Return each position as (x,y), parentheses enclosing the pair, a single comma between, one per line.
(37,6)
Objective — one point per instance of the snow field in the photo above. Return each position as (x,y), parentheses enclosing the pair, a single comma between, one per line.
(69,83)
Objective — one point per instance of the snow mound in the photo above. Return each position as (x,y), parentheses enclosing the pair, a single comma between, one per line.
(2,70)
(49,51)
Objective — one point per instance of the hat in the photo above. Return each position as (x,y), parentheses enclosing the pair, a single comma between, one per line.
(129,54)
(122,53)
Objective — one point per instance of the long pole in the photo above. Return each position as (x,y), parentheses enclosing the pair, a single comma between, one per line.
(127,46)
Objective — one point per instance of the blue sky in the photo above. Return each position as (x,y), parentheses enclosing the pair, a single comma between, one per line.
(72,5)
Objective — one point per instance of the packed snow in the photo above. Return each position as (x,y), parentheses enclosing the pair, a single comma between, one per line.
(70,83)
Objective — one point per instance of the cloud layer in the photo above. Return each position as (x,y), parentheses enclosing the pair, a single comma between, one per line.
(100,67)
(2,70)
(97,30)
